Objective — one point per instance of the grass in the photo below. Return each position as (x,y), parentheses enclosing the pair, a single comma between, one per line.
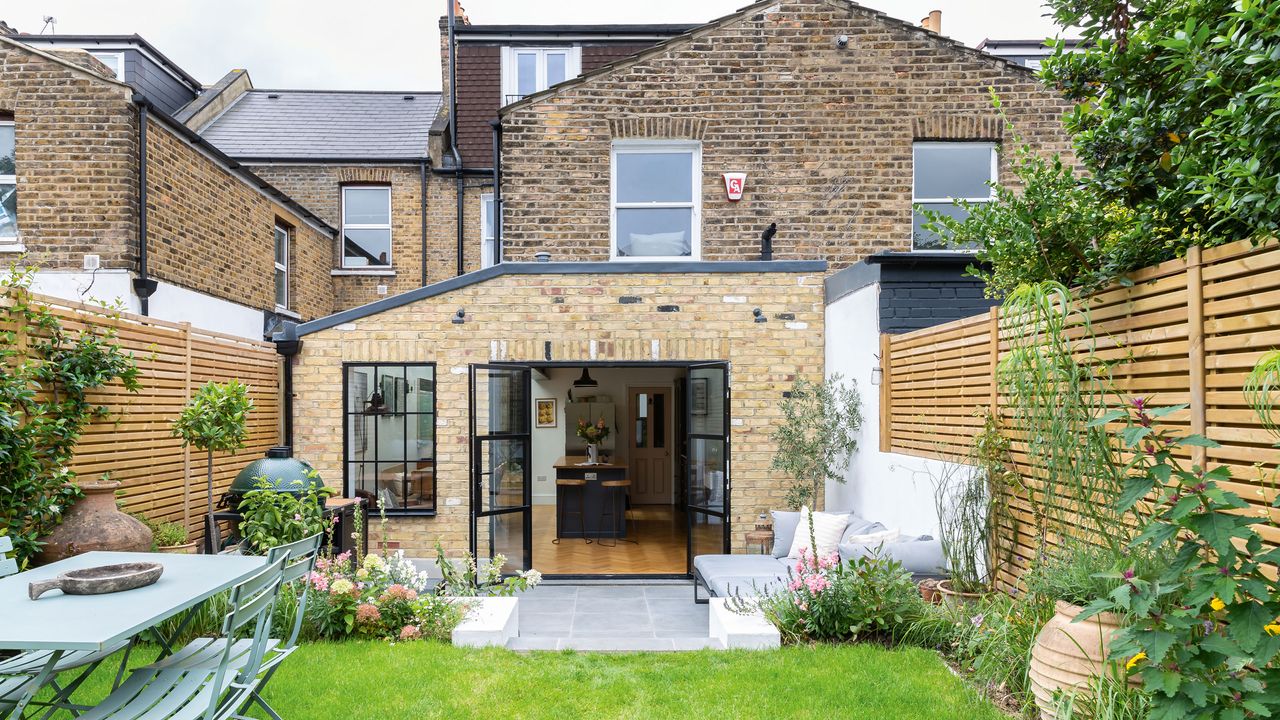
(429,680)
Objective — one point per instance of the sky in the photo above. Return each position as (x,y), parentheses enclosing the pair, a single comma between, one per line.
(394,44)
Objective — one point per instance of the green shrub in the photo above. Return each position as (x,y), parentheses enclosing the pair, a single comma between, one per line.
(272,516)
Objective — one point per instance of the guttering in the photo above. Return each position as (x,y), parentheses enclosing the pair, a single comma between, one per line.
(496,124)
(143,285)
(453,132)
(422,212)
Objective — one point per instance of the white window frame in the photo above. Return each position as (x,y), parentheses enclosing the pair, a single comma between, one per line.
(279,266)
(656,146)
(486,231)
(510,76)
(119,55)
(15,241)
(362,226)
(992,148)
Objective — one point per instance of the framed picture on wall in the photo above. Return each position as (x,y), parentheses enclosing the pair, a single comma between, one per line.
(547,416)
(698,387)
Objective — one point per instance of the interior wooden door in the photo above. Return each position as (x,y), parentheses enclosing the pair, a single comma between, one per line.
(649,445)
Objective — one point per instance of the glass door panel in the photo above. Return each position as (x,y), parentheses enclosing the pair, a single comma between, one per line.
(501,494)
(707,439)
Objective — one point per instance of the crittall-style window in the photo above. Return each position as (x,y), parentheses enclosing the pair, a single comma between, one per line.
(8,185)
(527,70)
(486,230)
(945,172)
(390,446)
(656,189)
(282,265)
(366,226)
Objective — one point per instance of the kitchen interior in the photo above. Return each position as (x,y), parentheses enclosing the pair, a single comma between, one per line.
(623,515)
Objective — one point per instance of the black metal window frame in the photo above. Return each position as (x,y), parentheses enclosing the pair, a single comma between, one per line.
(348,482)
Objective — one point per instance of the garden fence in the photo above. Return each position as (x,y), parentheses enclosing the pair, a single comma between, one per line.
(160,478)
(1187,331)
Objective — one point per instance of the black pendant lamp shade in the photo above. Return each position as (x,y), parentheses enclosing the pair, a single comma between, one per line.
(586,381)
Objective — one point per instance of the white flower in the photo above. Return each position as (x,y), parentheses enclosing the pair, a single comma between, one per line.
(533,577)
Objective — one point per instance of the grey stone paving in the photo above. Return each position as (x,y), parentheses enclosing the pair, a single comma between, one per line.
(612,617)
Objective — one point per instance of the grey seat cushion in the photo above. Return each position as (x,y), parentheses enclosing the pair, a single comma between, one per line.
(918,555)
(727,575)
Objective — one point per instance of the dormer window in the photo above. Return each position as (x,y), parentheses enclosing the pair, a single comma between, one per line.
(527,70)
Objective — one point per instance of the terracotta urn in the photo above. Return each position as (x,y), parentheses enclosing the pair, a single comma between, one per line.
(1067,654)
(183,549)
(94,523)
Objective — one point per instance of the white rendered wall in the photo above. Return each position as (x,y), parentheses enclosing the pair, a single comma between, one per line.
(170,302)
(890,488)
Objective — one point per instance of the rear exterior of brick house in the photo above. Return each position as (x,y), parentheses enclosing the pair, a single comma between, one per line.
(826,132)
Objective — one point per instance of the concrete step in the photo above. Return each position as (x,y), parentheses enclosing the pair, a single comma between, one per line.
(613,644)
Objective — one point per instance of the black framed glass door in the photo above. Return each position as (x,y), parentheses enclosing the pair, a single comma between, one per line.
(708,467)
(501,492)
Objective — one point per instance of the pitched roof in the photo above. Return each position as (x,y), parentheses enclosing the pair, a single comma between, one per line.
(325,125)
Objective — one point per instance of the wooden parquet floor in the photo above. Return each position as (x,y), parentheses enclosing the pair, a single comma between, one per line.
(662,548)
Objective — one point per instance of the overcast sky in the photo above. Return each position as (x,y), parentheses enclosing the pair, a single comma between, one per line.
(394,44)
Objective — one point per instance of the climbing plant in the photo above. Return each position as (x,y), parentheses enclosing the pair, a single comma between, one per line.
(45,405)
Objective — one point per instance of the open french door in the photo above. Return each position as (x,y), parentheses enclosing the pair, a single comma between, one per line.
(707,488)
(501,451)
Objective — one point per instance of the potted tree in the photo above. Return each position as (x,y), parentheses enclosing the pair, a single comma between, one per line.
(215,419)
(816,437)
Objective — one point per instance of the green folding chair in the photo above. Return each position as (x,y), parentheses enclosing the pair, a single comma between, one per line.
(20,671)
(211,690)
(300,560)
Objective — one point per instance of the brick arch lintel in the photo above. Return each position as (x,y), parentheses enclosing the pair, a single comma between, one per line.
(957,126)
(657,127)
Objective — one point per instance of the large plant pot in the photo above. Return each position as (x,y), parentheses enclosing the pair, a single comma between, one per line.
(183,549)
(1067,654)
(94,523)
(955,598)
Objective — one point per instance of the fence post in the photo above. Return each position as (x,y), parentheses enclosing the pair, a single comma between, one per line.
(994,324)
(1195,348)
(886,395)
(186,449)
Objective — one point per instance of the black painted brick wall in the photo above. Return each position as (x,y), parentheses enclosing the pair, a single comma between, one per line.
(906,306)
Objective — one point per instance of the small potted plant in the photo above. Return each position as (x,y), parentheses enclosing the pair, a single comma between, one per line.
(594,434)
(172,537)
(963,501)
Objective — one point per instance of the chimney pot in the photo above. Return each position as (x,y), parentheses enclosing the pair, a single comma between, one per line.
(933,21)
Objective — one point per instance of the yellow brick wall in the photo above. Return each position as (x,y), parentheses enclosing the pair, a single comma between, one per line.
(510,318)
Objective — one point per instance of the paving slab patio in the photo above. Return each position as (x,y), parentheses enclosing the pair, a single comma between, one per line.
(618,616)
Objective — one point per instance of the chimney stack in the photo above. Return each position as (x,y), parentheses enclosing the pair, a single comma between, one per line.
(933,22)
(5,29)
(460,14)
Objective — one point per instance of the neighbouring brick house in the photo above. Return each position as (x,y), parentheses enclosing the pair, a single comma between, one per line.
(82,149)
(658,291)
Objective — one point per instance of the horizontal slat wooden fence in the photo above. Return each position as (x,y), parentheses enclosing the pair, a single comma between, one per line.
(1187,331)
(160,478)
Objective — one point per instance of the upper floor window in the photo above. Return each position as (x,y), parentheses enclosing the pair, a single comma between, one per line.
(366,226)
(282,265)
(486,230)
(656,191)
(8,185)
(945,172)
(113,60)
(526,71)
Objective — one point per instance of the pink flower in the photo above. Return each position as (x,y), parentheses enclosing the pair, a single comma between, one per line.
(319,582)
(400,592)
(410,632)
(297,517)
(795,585)
(367,614)
(816,583)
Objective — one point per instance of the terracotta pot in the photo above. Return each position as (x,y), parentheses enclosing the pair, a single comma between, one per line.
(929,591)
(1067,654)
(184,549)
(94,523)
(954,598)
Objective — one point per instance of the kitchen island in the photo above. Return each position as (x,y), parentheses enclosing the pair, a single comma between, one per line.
(595,499)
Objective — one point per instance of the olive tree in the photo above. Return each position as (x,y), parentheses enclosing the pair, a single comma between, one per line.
(817,435)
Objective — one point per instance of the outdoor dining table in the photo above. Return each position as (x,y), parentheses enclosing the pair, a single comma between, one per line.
(62,623)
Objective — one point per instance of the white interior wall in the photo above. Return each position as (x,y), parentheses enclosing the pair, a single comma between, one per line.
(549,443)
(890,488)
(170,302)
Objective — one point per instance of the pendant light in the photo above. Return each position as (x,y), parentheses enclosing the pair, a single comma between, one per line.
(586,381)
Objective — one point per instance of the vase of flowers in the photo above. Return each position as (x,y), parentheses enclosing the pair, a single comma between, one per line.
(594,434)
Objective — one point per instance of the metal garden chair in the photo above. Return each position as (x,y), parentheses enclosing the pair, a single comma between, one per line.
(179,688)
(17,672)
(299,561)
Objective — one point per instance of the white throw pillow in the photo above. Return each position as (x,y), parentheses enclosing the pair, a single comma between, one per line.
(827,529)
(883,537)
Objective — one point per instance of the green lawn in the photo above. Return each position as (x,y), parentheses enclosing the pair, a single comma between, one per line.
(428,680)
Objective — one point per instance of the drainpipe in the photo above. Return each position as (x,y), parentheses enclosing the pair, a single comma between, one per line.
(287,346)
(453,133)
(143,285)
(496,124)
(422,211)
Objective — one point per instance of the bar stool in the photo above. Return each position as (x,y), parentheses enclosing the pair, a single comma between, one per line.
(619,493)
(570,484)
